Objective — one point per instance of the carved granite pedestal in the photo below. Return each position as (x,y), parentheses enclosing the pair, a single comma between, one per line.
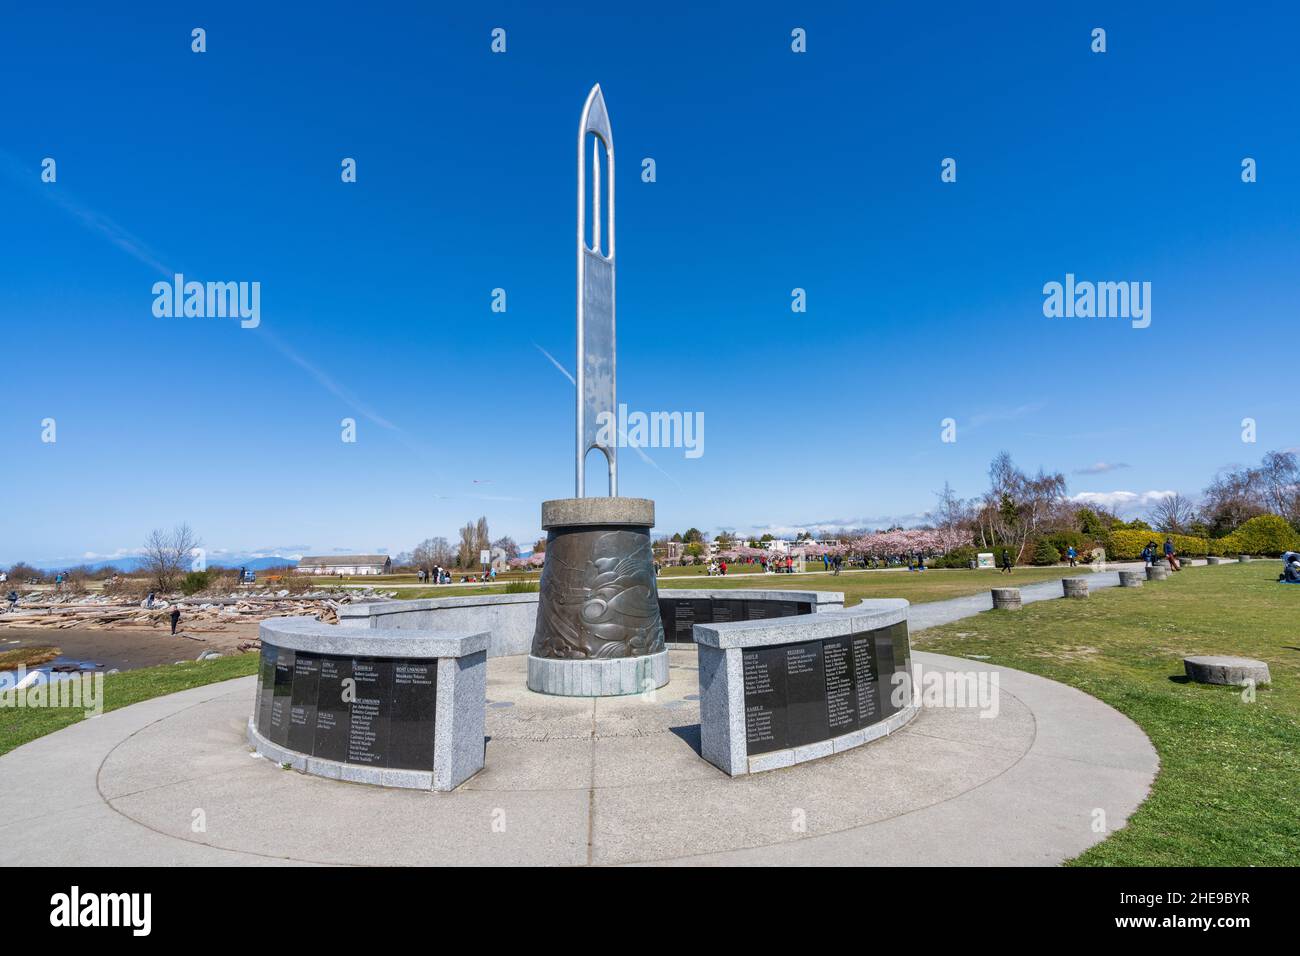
(598,633)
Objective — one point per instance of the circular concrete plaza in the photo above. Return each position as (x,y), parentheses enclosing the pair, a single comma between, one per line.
(574,781)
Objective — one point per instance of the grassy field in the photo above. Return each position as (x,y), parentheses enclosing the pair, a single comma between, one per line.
(917,587)
(19,725)
(856,585)
(1228,792)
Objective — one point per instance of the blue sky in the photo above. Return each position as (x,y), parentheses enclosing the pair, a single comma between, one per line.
(775,170)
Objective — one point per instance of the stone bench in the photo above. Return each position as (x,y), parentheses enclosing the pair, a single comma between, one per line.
(780,692)
(398,708)
(1226,670)
(1006,599)
(1131,579)
(1074,587)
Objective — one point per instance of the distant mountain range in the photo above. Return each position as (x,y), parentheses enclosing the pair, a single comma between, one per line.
(134,563)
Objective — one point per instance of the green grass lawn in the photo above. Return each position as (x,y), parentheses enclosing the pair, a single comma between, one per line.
(916,587)
(1228,792)
(19,725)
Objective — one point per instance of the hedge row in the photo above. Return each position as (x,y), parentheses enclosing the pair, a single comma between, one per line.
(1265,535)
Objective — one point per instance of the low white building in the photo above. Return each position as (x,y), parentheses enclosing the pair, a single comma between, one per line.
(345,564)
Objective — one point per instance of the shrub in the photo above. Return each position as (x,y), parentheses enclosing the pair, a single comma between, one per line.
(956,558)
(1266,535)
(1127,545)
(194,582)
(1045,552)
(1061,540)
(522,587)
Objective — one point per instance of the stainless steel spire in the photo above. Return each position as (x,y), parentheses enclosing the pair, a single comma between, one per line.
(596,378)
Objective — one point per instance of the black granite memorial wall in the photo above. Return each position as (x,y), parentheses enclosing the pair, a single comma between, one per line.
(799,694)
(375,712)
(681,614)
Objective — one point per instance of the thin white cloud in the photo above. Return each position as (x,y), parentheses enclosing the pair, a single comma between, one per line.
(1101,468)
(980,419)
(1121,501)
(556,362)
(627,442)
(136,248)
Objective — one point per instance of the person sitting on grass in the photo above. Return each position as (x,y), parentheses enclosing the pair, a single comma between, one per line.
(1290,568)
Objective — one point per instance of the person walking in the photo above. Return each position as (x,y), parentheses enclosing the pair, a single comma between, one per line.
(176,619)
(789,565)
(1073,556)
(1172,556)
(1006,561)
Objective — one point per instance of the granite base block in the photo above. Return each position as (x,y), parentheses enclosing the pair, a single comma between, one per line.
(597,677)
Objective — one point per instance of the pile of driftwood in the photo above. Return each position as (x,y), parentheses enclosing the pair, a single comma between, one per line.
(94,612)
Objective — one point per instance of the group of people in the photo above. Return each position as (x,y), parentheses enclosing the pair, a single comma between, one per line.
(718,568)
(1290,568)
(833,563)
(440,575)
(776,566)
(1151,552)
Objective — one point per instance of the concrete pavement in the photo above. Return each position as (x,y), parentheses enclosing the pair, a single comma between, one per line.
(578,781)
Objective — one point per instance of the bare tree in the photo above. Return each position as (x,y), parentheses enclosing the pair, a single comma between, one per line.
(482,540)
(167,555)
(950,512)
(432,553)
(507,544)
(1173,514)
(467,554)
(1018,507)
(1232,499)
(1279,478)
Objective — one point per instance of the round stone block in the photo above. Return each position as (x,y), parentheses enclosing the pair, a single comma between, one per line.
(591,512)
(1157,572)
(597,677)
(1243,558)
(1006,599)
(1213,560)
(1226,670)
(1074,587)
(1130,579)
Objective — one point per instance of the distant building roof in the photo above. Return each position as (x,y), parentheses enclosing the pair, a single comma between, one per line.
(341,560)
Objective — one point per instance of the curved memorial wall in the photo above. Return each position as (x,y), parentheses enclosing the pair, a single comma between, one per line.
(512,618)
(398,708)
(778,692)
